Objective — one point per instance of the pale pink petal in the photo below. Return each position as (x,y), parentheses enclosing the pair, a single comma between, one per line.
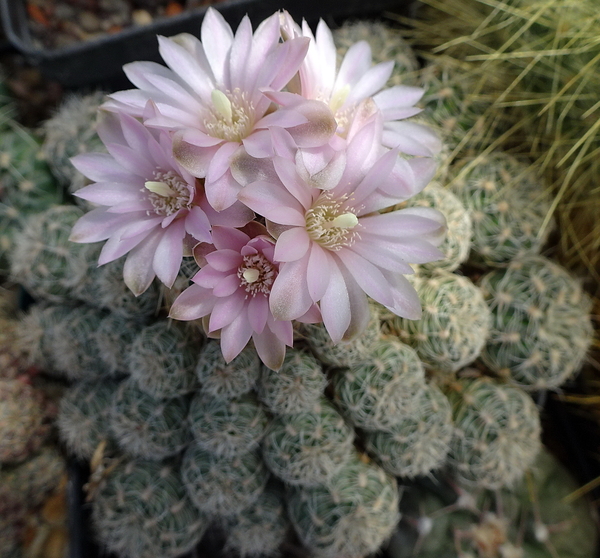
(406,300)
(228,309)
(228,238)
(169,253)
(236,215)
(258,312)
(192,158)
(238,58)
(110,193)
(137,270)
(355,64)
(399,96)
(411,138)
(193,303)
(135,163)
(208,277)
(198,225)
(360,312)
(217,38)
(335,305)
(259,144)
(289,295)
(95,225)
(286,171)
(368,276)
(403,222)
(386,257)
(224,260)
(220,162)
(376,175)
(270,349)
(100,167)
(292,245)
(227,286)
(115,247)
(370,82)
(273,202)
(318,271)
(234,337)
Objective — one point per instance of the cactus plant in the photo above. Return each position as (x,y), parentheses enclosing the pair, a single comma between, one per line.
(227,427)
(386,43)
(380,393)
(497,433)
(162,359)
(147,427)
(73,350)
(344,353)
(23,425)
(350,516)
(33,479)
(308,448)
(260,529)
(454,325)
(71,130)
(457,244)
(141,510)
(541,325)
(114,337)
(83,417)
(508,204)
(295,387)
(44,261)
(227,380)
(220,486)
(420,442)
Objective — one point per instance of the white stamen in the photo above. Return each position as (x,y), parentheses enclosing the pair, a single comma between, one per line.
(251,275)
(344,221)
(160,188)
(222,103)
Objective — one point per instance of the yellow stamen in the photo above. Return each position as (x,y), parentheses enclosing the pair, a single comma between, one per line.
(222,103)
(251,275)
(344,221)
(339,98)
(160,188)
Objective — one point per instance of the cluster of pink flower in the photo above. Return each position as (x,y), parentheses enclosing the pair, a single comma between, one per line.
(256,154)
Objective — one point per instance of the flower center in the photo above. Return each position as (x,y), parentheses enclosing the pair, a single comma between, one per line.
(168,193)
(231,117)
(332,222)
(256,275)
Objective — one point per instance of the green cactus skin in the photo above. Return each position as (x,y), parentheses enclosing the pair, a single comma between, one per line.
(83,417)
(450,101)
(344,353)
(23,425)
(26,180)
(44,261)
(114,337)
(260,529)
(147,427)
(507,204)
(350,516)
(70,131)
(33,479)
(34,333)
(497,433)
(541,324)
(141,510)
(222,486)
(223,380)
(380,393)
(534,519)
(454,325)
(295,387)
(308,448)
(106,289)
(227,427)
(420,442)
(457,244)
(162,359)
(386,44)
(74,352)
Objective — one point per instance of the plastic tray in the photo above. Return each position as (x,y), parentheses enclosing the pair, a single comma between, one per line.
(99,62)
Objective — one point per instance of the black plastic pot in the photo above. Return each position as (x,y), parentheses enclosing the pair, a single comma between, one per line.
(99,62)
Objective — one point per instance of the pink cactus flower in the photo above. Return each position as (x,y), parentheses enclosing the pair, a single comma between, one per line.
(211,96)
(233,288)
(150,208)
(334,245)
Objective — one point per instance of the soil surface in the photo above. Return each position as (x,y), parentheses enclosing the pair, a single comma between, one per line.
(59,23)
